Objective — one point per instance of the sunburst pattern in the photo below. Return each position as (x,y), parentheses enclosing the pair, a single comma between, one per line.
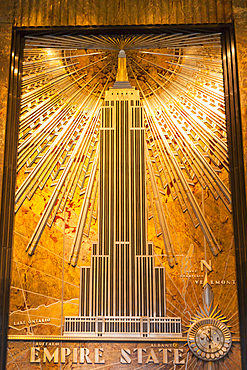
(180,80)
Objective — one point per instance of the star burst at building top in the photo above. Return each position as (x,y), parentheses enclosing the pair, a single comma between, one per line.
(180,80)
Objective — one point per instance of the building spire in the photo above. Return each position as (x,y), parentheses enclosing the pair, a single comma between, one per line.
(122,75)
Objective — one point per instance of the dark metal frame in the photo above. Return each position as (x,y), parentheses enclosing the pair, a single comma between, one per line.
(237,179)
(235,144)
(8,188)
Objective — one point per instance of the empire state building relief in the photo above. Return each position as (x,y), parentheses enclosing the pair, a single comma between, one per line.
(123,212)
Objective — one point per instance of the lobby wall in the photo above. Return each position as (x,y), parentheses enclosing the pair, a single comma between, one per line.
(37,13)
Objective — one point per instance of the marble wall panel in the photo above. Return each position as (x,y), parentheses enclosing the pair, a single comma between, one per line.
(110,12)
(5,45)
(240,17)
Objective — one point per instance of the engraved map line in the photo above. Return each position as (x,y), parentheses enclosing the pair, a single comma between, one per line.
(43,295)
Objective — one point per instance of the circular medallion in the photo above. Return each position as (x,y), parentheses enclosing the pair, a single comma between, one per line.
(209,339)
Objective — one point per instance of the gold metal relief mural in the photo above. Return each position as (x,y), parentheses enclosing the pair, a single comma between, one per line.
(123,242)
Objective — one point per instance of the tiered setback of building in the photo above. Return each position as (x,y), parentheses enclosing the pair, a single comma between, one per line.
(122,292)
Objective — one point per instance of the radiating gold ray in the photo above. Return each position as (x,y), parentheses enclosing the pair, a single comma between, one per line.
(186,138)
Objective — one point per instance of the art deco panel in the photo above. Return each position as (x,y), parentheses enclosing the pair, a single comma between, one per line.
(123,241)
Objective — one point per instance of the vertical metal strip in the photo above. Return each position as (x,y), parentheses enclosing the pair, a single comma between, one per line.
(82,287)
(131,262)
(164,301)
(102,246)
(113,251)
(9,186)
(235,144)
